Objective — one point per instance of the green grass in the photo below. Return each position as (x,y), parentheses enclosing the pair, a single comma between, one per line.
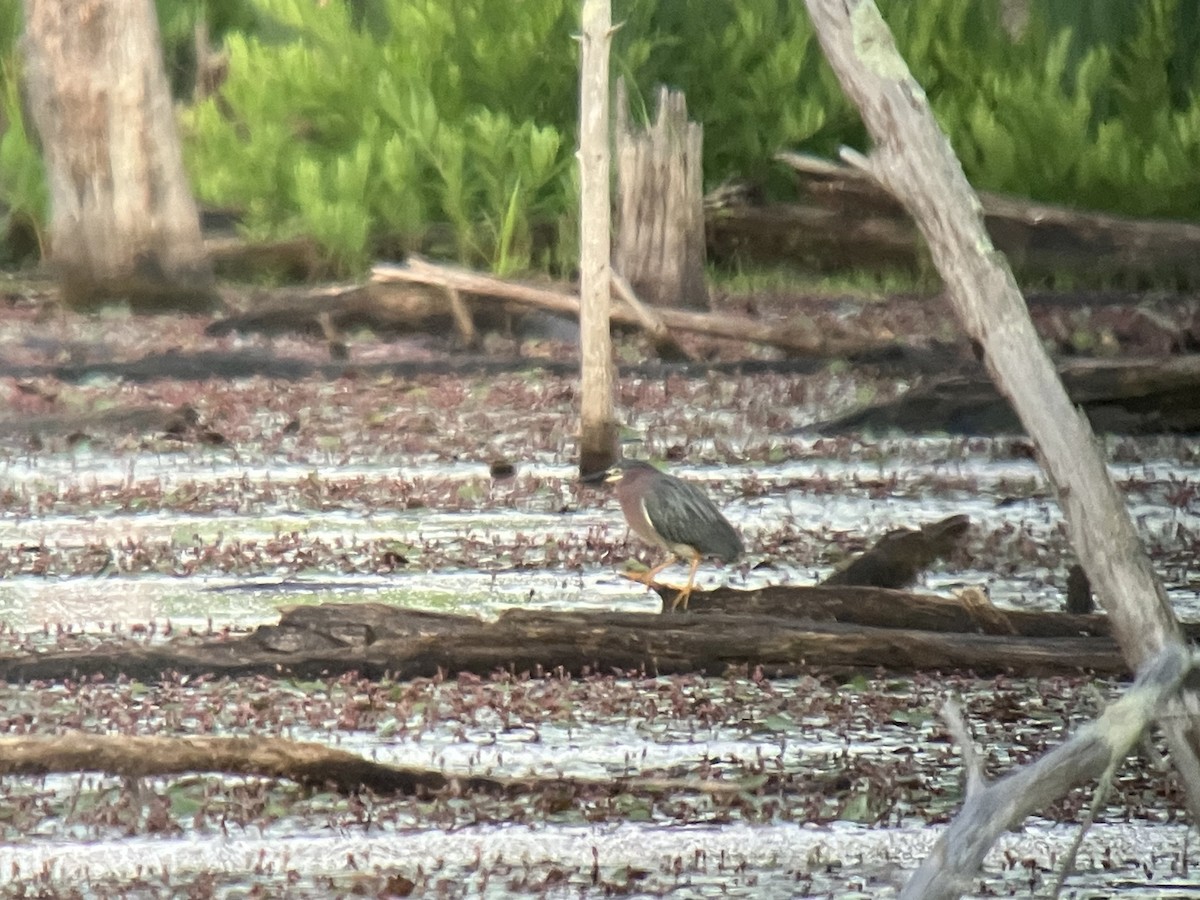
(784,279)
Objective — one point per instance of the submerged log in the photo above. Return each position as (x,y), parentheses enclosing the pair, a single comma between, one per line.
(180,423)
(373,640)
(307,763)
(147,756)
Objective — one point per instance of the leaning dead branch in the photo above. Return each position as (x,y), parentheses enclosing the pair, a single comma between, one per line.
(912,159)
(990,810)
(652,323)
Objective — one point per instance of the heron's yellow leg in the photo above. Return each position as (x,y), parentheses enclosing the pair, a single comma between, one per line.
(682,597)
(647,578)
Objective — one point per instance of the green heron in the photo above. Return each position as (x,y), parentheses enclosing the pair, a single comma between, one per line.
(668,512)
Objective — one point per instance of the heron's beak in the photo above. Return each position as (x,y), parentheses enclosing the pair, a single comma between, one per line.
(602,476)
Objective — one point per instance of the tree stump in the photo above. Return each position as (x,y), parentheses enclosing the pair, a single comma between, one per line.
(660,221)
(123,220)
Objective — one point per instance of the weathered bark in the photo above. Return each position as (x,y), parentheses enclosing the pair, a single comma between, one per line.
(914,161)
(1126,396)
(598,422)
(1092,753)
(374,640)
(123,221)
(660,225)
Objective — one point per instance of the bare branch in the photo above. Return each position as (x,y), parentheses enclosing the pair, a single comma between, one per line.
(956,724)
(1094,752)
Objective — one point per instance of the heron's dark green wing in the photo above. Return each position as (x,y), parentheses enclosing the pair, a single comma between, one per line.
(683,514)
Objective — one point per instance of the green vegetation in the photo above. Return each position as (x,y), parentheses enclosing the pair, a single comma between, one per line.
(383,135)
(864,284)
(378,126)
(24,204)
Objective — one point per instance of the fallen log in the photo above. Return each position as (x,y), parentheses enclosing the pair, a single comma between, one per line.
(257,362)
(1127,396)
(377,640)
(885,608)
(848,221)
(147,756)
(791,337)
(304,762)
(344,307)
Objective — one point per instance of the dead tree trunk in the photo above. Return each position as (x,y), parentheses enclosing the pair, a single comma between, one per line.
(123,220)
(660,225)
(598,422)
(914,161)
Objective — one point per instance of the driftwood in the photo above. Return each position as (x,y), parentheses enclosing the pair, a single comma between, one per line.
(1128,396)
(795,339)
(377,640)
(1094,752)
(848,222)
